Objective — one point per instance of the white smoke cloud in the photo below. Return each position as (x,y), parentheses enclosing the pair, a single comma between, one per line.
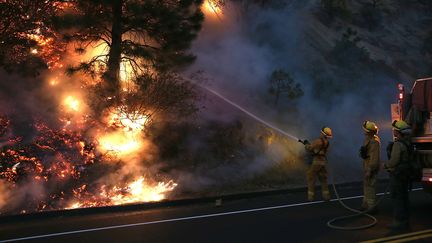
(240,52)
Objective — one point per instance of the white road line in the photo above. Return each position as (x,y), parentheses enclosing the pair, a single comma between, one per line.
(179,219)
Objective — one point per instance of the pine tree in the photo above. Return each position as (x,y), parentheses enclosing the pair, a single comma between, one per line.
(148,34)
(282,82)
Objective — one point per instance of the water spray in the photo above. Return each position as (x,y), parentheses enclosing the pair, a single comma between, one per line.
(250,114)
(331,223)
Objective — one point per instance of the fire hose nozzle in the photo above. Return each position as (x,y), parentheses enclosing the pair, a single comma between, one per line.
(304,142)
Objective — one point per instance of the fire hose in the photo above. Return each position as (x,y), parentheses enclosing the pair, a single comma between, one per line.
(357,213)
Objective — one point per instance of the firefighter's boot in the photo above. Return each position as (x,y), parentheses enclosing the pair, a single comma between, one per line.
(311,196)
(326,195)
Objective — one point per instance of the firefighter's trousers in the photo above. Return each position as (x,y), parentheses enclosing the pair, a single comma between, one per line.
(369,191)
(317,170)
(399,188)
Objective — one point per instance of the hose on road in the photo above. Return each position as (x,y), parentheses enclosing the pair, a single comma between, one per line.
(357,213)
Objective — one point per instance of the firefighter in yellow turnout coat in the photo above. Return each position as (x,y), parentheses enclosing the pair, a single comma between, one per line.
(318,168)
(370,153)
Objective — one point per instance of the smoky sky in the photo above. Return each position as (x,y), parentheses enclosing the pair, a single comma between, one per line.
(240,51)
(23,100)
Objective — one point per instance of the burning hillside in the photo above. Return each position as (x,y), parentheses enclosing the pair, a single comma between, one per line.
(95,110)
(71,167)
(94,151)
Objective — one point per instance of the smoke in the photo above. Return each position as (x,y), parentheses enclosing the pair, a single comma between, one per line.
(239,53)
(23,197)
(225,147)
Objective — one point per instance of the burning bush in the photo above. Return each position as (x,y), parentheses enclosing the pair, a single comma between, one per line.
(71,167)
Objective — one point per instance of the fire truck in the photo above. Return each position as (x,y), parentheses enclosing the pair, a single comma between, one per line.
(415,107)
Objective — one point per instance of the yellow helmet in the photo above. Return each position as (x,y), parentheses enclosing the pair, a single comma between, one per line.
(326,131)
(369,126)
(400,125)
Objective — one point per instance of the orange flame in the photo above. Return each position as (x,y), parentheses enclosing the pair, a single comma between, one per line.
(72,103)
(137,191)
(120,143)
(211,7)
(132,121)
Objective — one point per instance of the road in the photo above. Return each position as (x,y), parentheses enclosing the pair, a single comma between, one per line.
(271,218)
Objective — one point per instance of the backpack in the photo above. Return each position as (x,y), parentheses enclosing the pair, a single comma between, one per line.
(309,155)
(410,169)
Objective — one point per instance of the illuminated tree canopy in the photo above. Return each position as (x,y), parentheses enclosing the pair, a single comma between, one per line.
(150,35)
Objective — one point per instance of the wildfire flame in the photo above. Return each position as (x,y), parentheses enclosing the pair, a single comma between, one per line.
(211,7)
(139,191)
(72,103)
(136,191)
(66,154)
(127,135)
(133,121)
(120,143)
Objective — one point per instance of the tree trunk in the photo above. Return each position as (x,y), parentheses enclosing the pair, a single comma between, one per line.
(114,55)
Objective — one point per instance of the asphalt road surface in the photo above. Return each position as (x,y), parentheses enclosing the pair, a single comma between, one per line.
(283,217)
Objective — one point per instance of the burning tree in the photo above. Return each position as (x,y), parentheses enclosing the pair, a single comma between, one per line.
(162,94)
(79,158)
(146,36)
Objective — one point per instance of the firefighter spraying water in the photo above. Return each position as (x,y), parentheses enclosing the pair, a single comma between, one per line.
(316,158)
(317,152)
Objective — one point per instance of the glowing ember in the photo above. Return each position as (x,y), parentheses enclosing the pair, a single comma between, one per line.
(72,103)
(48,48)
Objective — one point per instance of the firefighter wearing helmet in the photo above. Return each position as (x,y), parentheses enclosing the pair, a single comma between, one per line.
(370,153)
(399,175)
(318,148)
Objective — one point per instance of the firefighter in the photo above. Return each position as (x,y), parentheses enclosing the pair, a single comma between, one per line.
(399,178)
(370,153)
(319,148)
